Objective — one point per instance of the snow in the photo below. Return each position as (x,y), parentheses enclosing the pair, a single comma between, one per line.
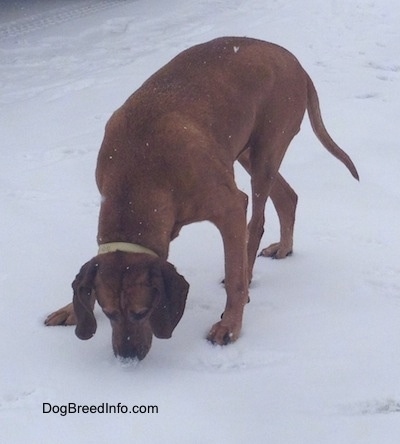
(318,360)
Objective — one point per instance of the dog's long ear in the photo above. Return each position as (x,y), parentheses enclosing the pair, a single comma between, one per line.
(171,302)
(83,301)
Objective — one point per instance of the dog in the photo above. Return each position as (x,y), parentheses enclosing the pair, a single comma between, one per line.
(166,161)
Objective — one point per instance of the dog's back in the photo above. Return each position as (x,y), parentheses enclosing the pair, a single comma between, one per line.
(219,94)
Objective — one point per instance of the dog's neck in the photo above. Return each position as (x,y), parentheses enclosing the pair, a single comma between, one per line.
(125,247)
(146,222)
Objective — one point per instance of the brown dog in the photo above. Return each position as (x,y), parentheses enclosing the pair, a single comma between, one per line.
(167,160)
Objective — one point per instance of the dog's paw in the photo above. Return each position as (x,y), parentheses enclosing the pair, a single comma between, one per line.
(276,251)
(222,334)
(63,316)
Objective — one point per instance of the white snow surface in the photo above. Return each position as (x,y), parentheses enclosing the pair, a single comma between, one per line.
(318,360)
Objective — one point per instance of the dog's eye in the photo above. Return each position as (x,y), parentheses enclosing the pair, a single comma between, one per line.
(138,315)
(112,315)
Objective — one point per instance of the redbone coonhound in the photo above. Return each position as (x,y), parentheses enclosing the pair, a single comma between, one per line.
(167,161)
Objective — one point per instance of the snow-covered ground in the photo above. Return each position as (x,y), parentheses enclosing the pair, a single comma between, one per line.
(319,357)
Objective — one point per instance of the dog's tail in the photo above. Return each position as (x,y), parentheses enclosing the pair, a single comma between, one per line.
(314,113)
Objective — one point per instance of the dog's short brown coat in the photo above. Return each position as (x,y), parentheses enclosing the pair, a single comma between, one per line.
(167,160)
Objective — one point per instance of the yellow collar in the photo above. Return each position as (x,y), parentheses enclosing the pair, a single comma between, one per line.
(126,247)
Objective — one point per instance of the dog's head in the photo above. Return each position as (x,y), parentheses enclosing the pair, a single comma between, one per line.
(141,295)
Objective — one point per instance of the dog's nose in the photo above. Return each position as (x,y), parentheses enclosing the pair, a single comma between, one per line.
(129,351)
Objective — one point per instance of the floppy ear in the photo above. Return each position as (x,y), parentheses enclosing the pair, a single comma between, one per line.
(171,304)
(83,301)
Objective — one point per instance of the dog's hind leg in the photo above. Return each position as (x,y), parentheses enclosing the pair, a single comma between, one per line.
(266,155)
(284,200)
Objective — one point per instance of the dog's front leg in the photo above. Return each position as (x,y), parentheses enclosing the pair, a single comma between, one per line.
(234,234)
(63,316)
